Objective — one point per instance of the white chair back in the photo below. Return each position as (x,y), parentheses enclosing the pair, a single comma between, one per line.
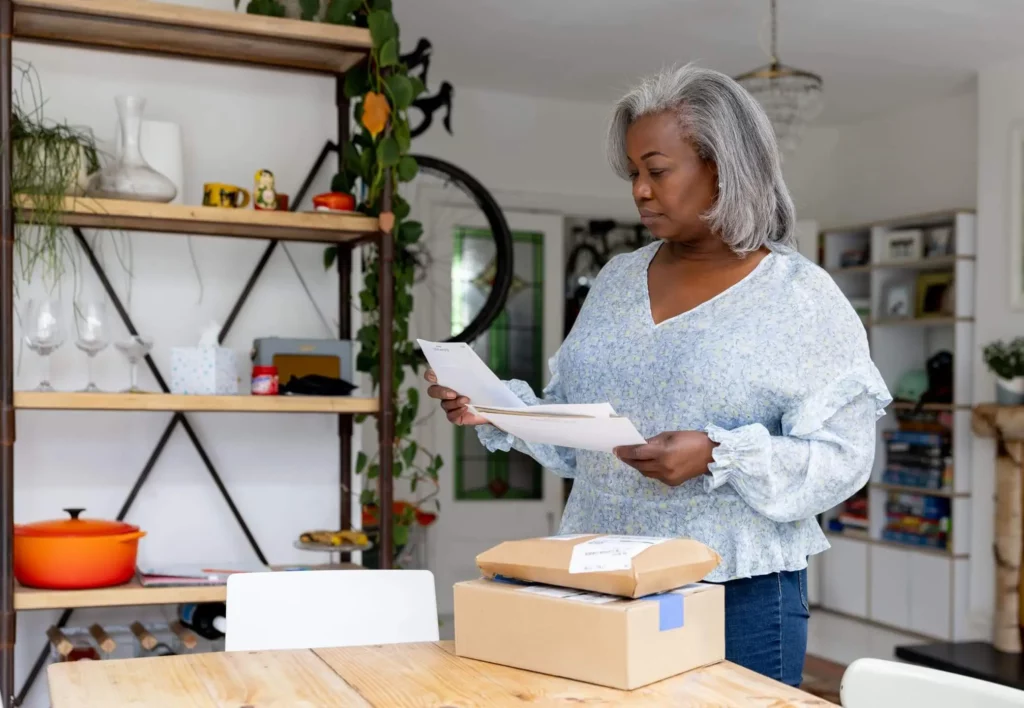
(875,683)
(310,609)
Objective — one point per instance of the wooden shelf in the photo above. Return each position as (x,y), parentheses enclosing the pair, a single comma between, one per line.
(928,407)
(115,214)
(906,489)
(923,263)
(130,594)
(900,546)
(920,264)
(174,402)
(920,321)
(133,593)
(192,32)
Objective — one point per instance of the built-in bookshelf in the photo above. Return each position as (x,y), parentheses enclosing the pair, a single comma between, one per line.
(900,547)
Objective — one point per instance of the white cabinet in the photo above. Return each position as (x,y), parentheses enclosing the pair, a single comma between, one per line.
(931,596)
(890,586)
(844,568)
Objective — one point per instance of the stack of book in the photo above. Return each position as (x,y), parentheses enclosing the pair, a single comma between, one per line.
(916,459)
(917,520)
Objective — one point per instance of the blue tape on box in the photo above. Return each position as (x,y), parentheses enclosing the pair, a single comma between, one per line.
(670,610)
(510,581)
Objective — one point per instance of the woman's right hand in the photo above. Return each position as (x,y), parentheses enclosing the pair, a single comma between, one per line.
(452,403)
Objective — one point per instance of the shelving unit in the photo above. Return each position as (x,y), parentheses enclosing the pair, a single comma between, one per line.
(212,221)
(59,401)
(913,588)
(140,26)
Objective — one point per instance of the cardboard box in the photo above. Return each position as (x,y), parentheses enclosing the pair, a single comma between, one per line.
(601,639)
(630,566)
(203,371)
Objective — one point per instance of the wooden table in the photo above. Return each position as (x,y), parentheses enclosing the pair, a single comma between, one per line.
(394,676)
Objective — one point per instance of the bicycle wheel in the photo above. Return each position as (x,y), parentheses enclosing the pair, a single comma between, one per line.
(469,189)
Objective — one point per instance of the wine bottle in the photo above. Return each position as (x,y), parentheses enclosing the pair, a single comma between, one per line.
(207,619)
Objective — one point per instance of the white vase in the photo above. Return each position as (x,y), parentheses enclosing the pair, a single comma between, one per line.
(1010,392)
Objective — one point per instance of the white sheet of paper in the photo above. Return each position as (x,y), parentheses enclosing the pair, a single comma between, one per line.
(587,410)
(459,368)
(598,434)
(606,553)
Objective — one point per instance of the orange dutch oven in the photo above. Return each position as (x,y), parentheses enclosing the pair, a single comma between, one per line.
(74,553)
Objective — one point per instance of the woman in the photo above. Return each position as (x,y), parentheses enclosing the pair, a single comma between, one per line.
(739,359)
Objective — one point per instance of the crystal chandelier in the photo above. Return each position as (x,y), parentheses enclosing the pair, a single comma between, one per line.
(792,98)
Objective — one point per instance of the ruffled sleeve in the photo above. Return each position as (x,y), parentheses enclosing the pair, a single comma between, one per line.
(823,456)
(560,460)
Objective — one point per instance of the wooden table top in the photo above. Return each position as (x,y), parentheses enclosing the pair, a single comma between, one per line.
(392,676)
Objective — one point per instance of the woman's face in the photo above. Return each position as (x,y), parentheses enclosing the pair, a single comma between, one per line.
(672,186)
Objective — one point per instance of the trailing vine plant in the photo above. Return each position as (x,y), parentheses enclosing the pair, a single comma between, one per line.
(381,92)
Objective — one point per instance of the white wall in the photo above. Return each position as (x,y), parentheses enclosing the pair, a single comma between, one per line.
(915,161)
(1000,103)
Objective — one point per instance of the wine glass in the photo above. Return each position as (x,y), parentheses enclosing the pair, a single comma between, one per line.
(135,348)
(43,334)
(93,337)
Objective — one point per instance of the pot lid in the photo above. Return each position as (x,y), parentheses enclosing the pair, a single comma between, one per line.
(74,527)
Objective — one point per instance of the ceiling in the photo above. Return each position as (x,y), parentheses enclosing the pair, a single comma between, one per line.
(875,56)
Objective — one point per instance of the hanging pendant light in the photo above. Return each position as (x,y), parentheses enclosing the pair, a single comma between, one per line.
(792,98)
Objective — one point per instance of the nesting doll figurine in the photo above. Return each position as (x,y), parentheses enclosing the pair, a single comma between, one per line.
(265,196)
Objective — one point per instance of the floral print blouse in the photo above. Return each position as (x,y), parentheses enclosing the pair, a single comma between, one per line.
(775,369)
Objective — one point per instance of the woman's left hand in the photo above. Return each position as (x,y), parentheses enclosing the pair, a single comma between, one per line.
(671,458)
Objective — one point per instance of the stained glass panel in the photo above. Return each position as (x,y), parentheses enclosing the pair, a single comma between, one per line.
(512,347)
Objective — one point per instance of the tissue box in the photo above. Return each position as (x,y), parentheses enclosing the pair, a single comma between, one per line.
(203,371)
(602,639)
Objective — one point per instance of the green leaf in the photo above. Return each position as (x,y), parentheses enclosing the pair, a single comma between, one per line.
(387,152)
(414,398)
(400,207)
(418,87)
(357,81)
(308,9)
(407,169)
(330,255)
(409,453)
(400,89)
(367,497)
(382,27)
(381,5)
(388,53)
(400,535)
(343,181)
(339,12)
(413,483)
(397,468)
(373,471)
(361,460)
(400,129)
(409,232)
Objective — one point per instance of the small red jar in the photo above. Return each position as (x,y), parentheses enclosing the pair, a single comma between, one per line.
(264,380)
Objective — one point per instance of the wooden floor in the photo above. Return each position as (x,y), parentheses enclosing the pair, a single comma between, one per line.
(822,678)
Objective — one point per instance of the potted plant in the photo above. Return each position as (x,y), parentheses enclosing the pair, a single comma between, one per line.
(1006,361)
(49,161)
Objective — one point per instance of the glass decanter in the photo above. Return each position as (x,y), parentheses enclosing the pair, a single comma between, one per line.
(130,176)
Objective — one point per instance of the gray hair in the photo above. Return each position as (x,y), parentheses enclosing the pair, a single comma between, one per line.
(728,127)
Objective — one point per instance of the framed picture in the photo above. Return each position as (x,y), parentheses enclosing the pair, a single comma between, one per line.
(938,242)
(905,245)
(934,295)
(898,300)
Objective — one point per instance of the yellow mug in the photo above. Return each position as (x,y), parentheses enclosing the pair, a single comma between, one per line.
(228,196)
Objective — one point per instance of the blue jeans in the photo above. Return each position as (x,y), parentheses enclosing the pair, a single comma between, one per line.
(766,624)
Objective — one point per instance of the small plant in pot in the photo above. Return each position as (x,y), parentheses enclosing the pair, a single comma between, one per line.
(1006,361)
(49,161)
